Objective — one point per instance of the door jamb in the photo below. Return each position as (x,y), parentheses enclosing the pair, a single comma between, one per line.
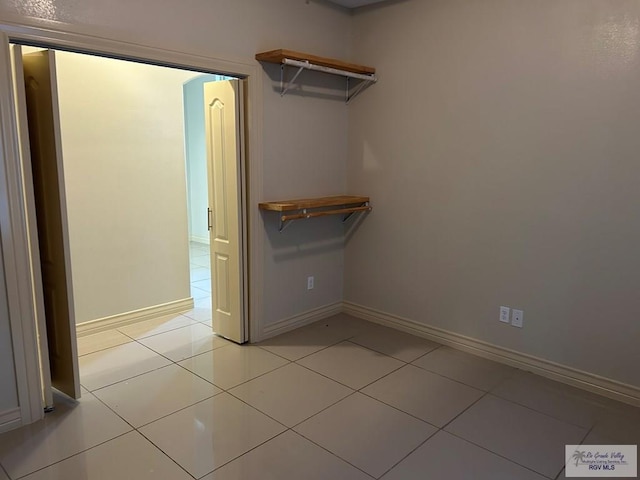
(13,222)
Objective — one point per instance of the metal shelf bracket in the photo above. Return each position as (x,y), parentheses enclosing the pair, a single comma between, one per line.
(365,80)
(348,215)
(350,96)
(284,87)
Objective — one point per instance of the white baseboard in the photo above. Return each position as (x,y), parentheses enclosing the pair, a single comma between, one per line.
(127,318)
(302,319)
(587,381)
(197,239)
(10,419)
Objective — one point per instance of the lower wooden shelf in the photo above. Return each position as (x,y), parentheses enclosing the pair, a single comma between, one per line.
(305,208)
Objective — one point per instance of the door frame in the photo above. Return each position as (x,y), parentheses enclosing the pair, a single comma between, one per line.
(13,219)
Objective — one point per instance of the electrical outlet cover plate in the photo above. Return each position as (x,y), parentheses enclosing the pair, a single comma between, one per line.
(517,318)
(504,314)
(310,283)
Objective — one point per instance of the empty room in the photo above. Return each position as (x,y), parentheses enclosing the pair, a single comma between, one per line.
(412,254)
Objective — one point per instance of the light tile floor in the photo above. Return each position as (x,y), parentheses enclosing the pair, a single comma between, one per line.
(200,274)
(339,399)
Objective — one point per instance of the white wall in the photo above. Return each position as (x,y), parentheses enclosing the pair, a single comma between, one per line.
(196,157)
(500,149)
(8,389)
(305,137)
(306,141)
(123,153)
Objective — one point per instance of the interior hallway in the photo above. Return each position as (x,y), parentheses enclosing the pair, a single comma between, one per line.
(200,276)
(338,399)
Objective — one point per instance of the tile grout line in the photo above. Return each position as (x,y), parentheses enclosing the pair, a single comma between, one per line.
(496,454)
(233,386)
(427,353)
(163,355)
(485,393)
(456,380)
(130,337)
(129,340)
(245,453)
(137,429)
(154,369)
(352,340)
(258,410)
(400,410)
(203,400)
(411,452)
(173,329)
(359,390)
(132,427)
(304,356)
(164,453)
(531,409)
(481,446)
(463,411)
(331,453)
(179,410)
(459,382)
(71,456)
(385,375)
(542,413)
(326,376)
(323,410)
(289,362)
(375,399)
(355,344)
(124,379)
(93,392)
(353,392)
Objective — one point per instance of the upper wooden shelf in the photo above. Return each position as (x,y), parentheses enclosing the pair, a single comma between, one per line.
(277,56)
(320,202)
(304,61)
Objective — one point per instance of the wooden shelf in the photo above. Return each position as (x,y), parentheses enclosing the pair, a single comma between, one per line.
(303,61)
(277,56)
(317,207)
(305,203)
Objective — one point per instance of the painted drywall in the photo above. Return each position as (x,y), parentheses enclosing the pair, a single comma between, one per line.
(306,138)
(500,151)
(196,156)
(305,135)
(124,167)
(9,390)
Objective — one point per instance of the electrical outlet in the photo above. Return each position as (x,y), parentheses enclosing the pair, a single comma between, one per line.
(310,283)
(504,314)
(517,318)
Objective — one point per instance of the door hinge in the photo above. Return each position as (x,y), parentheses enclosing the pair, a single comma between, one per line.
(209,219)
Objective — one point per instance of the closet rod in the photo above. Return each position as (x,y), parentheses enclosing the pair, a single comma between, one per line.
(334,71)
(297,216)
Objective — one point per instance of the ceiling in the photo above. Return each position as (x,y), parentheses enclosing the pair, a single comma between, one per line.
(355,3)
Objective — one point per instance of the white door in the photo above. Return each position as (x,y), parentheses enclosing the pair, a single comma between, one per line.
(34,248)
(224,144)
(52,226)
